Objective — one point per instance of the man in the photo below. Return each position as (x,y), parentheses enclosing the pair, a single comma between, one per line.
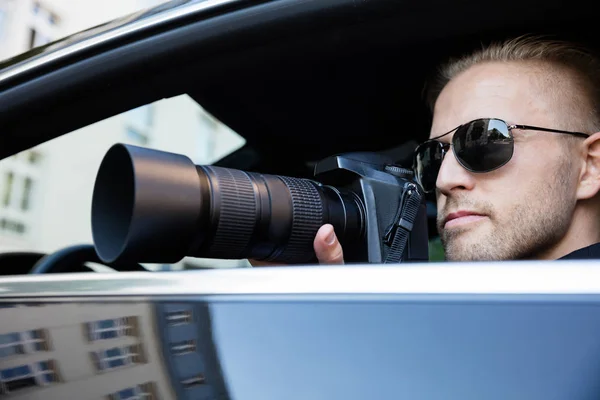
(532,196)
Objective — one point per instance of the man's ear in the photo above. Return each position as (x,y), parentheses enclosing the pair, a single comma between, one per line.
(589,180)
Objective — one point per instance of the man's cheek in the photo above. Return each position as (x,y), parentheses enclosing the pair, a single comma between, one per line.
(440,201)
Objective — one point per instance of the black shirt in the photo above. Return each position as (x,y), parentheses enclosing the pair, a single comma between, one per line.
(586,253)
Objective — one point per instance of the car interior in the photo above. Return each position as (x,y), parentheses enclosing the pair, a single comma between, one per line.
(299,80)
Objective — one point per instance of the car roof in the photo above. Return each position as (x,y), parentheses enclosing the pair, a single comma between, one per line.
(127,26)
(299,80)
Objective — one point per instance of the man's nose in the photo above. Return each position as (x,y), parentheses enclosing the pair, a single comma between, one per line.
(453,176)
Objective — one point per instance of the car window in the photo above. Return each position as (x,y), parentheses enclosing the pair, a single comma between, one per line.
(46,191)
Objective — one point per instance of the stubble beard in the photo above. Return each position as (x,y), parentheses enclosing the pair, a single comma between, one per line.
(531,227)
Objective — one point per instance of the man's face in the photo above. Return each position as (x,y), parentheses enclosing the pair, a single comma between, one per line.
(524,208)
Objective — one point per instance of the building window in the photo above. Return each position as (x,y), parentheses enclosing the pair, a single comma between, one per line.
(193,381)
(9,178)
(118,357)
(17,183)
(37,39)
(25,376)
(11,344)
(34,157)
(179,348)
(111,328)
(179,317)
(7,224)
(44,22)
(23,342)
(26,198)
(32,37)
(144,391)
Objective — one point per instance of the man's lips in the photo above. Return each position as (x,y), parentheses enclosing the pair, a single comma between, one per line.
(461,218)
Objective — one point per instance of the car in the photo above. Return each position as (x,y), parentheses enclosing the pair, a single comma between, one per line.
(288,83)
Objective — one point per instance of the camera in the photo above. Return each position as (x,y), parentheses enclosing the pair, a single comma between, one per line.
(158,207)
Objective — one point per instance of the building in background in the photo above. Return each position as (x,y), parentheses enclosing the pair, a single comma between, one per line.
(45,192)
(109,351)
(86,351)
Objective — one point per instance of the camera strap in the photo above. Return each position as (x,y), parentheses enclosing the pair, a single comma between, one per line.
(397,234)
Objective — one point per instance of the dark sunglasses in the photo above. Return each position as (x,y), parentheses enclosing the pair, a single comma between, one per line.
(481,145)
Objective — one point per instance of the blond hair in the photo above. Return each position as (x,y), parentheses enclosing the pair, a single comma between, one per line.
(579,62)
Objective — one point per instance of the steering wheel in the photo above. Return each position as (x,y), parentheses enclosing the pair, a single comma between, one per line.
(73,259)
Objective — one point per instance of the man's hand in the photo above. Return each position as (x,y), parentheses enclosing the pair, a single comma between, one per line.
(327,248)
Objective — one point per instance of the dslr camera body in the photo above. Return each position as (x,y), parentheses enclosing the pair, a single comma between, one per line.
(158,207)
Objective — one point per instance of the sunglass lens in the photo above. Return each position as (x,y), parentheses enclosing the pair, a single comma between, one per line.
(428,160)
(483,145)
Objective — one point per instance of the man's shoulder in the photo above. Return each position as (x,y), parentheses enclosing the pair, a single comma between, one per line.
(585,253)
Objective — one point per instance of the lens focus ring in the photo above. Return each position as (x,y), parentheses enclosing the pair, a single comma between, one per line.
(307,218)
(237,205)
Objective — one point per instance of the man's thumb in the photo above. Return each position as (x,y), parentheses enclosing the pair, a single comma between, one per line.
(327,246)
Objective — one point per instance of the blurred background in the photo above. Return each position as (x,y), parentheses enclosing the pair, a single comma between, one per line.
(45,192)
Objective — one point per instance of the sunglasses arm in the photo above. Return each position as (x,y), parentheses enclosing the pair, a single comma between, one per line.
(537,128)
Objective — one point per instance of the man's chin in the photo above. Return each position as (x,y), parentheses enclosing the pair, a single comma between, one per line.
(464,233)
(462,244)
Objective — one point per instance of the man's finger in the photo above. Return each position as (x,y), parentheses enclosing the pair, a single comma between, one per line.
(327,246)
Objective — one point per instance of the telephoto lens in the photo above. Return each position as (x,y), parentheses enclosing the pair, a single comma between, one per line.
(158,207)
